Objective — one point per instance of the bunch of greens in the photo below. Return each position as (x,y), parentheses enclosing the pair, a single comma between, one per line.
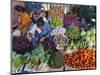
(38,56)
(56,60)
(73,32)
(87,39)
(17,61)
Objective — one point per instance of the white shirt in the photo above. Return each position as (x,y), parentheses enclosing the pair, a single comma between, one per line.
(32,30)
(35,28)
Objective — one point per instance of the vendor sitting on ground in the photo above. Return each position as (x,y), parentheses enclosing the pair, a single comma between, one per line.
(40,33)
(24,19)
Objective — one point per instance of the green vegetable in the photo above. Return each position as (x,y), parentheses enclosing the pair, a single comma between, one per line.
(88,33)
(90,43)
(38,56)
(73,32)
(18,61)
(83,33)
(13,55)
(55,22)
(93,37)
(56,60)
(93,30)
(87,39)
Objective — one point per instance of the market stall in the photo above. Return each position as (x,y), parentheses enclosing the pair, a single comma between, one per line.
(72,43)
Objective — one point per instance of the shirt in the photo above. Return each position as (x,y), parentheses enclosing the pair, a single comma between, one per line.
(46,30)
(25,19)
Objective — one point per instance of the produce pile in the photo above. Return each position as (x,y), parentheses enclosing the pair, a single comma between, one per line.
(81,60)
(35,59)
(87,40)
(38,56)
(17,61)
(39,59)
(89,37)
(21,45)
(73,47)
(58,31)
(70,20)
(56,60)
(70,46)
(73,32)
(56,22)
(60,41)
(80,50)
(56,12)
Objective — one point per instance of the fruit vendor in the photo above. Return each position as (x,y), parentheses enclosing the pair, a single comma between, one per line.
(24,19)
(40,32)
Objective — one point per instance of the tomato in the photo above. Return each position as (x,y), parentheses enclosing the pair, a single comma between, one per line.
(82,59)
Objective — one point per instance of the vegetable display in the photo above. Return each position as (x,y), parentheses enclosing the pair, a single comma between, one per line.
(70,20)
(87,40)
(38,56)
(79,46)
(83,59)
(73,32)
(56,22)
(56,60)
(80,53)
(36,59)
(68,44)
(60,41)
(21,45)
(58,31)
(56,12)
(18,61)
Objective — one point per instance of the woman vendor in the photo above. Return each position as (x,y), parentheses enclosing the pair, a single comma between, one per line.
(40,33)
(24,19)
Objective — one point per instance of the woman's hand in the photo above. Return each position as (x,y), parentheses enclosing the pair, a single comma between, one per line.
(31,35)
(42,39)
